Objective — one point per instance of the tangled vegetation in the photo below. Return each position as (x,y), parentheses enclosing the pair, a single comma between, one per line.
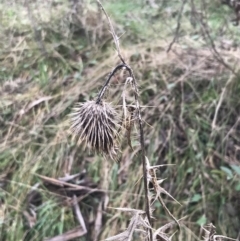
(54,53)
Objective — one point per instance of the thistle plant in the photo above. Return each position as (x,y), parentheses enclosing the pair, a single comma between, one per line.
(97,124)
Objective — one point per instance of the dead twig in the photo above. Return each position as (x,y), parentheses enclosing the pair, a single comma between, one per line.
(178,25)
(219,104)
(138,113)
(114,35)
(78,214)
(69,235)
(209,39)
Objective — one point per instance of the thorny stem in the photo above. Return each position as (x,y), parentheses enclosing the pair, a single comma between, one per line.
(115,37)
(143,156)
(140,123)
(102,91)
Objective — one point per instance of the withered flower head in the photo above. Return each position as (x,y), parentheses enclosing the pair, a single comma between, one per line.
(96,124)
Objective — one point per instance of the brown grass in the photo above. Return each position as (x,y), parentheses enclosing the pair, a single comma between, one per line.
(180,92)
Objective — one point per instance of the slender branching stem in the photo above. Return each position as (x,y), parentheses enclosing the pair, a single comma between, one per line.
(142,144)
(140,123)
(138,111)
(114,35)
(102,91)
(143,156)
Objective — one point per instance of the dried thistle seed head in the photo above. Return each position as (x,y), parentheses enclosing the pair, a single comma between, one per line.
(96,125)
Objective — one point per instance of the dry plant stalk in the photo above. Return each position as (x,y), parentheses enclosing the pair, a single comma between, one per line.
(210,234)
(96,123)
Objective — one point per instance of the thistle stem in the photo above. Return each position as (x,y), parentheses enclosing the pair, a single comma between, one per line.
(143,156)
(140,123)
(136,96)
(102,91)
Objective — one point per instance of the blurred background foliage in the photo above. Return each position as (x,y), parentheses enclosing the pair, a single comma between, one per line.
(54,53)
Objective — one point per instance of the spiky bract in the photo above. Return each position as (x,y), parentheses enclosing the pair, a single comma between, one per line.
(96,124)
